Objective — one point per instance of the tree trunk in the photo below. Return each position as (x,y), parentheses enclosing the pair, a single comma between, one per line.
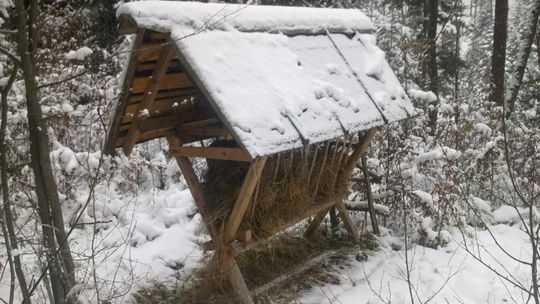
(457,55)
(7,217)
(498,58)
(516,78)
(61,269)
(432,69)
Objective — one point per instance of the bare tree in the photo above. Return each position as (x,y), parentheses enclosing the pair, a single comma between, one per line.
(8,227)
(432,66)
(61,268)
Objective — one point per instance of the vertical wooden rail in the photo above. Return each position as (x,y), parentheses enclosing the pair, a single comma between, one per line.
(231,229)
(349,165)
(242,202)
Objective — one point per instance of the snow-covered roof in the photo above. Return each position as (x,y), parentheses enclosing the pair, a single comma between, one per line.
(162,16)
(281,77)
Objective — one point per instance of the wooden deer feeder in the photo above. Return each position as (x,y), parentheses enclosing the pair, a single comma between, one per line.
(280,101)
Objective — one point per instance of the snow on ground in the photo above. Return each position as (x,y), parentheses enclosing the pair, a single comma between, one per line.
(153,236)
(165,232)
(447,275)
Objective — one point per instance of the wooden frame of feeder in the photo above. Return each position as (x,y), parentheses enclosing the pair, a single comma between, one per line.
(156,79)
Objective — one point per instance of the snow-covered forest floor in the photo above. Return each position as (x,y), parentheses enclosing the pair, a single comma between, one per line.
(155,239)
(462,202)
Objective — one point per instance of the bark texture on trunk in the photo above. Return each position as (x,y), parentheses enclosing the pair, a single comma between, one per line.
(60,267)
(498,58)
(432,69)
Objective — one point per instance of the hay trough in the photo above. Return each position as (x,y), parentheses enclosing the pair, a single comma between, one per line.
(292,184)
(290,98)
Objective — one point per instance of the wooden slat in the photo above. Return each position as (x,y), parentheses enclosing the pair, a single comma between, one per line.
(233,154)
(205,131)
(146,136)
(200,123)
(149,51)
(112,136)
(142,138)
(161,107)
(158,35)
(147,66)
(168,82)
(175,120)
(151,86)
(242,202)
(165,94)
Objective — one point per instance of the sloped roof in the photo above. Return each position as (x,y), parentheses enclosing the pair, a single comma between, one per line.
(280,77)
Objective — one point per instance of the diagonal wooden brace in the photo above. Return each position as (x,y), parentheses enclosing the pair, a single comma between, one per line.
(242,202)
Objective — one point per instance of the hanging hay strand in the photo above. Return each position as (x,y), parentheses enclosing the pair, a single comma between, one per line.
(284,194)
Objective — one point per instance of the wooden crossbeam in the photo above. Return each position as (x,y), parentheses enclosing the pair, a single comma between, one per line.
(161,107)
(165,122)
(242,202)
(168,81)
(205,132)
(234,154)
(151,87)
(177,93)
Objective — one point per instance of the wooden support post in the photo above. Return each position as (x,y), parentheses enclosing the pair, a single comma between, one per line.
(237,280)
(150,90)
(315,223)
(359,150)
(242,202)
(192,182)
(347,221)
(334,221)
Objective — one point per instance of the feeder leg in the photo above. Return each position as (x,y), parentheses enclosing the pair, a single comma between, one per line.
(344,215)
(333,218)
(315,223)
(210,274)
(237,280)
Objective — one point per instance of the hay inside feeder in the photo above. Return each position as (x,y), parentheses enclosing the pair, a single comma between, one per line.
(291,184)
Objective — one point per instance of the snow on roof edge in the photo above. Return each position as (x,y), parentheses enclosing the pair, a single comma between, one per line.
(164,15)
